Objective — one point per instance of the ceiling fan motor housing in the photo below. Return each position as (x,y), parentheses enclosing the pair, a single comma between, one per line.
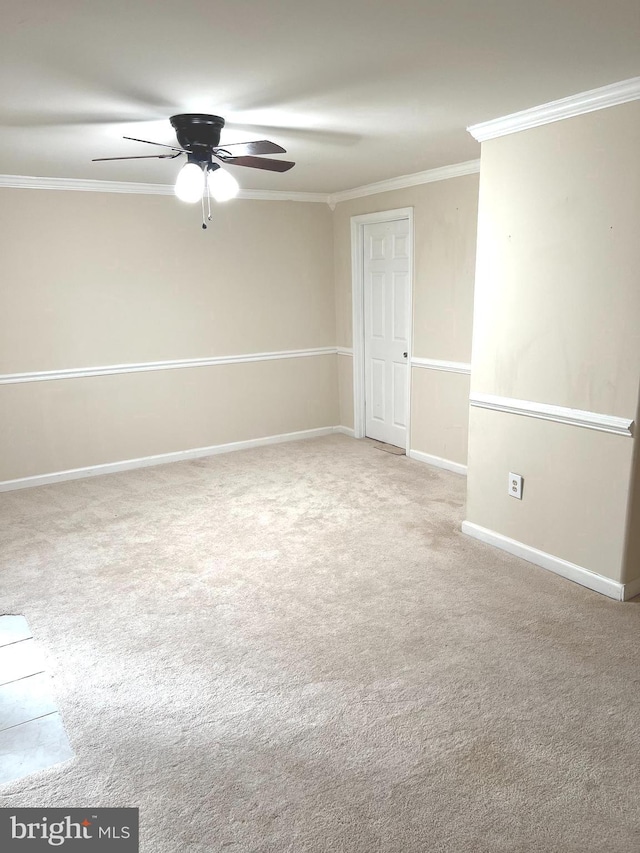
(198,133)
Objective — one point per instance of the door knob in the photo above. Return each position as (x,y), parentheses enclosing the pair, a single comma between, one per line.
(404,354)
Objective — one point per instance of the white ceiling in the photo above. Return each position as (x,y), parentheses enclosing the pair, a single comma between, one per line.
(357,91)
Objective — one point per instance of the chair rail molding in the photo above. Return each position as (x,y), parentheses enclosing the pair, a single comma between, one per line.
(436,364)
(548,412)
(145,366)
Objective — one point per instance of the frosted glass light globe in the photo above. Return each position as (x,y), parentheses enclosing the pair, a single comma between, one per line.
(223,185)
(190,183)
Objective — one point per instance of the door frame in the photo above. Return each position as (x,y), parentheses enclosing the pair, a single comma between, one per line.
(357,299)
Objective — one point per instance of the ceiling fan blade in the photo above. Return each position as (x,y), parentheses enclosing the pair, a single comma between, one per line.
(161,144)
(262,146)
(139,157)
(259,163)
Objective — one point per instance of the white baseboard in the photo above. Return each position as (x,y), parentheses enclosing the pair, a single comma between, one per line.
(447,464)
(161,459)
(571,571)
(345,431)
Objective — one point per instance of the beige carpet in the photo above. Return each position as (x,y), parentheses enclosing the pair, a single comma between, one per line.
(295,648)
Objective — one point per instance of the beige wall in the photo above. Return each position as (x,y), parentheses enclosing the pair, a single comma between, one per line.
(440,414)
(105,278)
(556,321)
(75,423)
(94,279)
(345,390)
(575,487)
(445,218)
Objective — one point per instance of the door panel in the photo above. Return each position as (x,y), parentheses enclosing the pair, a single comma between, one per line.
(386,329)
(378,395)
(377,305)
(378,247)
(401,246)
(400,284)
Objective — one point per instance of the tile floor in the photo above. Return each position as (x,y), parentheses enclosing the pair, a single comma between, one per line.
(32,736)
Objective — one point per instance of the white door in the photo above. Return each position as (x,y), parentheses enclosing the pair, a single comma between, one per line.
(386,330)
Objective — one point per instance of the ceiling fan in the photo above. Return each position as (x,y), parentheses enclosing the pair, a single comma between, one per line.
(198,135)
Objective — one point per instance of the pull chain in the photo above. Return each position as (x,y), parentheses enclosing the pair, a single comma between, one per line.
(208,194)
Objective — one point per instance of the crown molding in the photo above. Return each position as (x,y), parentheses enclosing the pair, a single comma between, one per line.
(443,173)
(83,185)
(27,182)
(282,195)
(575,105)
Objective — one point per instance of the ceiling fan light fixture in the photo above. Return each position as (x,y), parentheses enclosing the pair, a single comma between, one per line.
(222,185)
(190,183)
(202,177)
